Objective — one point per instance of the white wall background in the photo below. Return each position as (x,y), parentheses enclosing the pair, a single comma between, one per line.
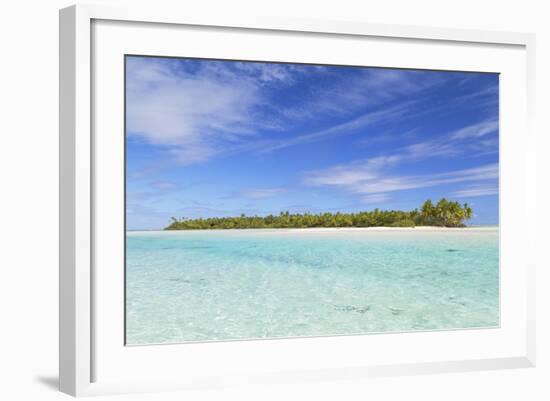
(29,185)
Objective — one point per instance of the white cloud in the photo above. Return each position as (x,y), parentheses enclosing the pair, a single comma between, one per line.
(351,175)
(382,91)
(192,114)
(463,140)
(371,177)
(269,72)
(198,111)
(349,127)
(477,190)
(399,183)
(164,185)
(480,99)
(261,193)
(193,152)
(476,130)
(376,198)
(445,145)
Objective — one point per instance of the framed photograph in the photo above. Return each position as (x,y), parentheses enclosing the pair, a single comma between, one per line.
(270,201)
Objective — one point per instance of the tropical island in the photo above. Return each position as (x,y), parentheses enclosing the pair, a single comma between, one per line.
(444,213)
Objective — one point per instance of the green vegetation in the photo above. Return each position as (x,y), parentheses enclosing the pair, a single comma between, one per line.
(443,214)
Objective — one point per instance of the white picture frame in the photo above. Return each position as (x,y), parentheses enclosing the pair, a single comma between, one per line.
(82,344)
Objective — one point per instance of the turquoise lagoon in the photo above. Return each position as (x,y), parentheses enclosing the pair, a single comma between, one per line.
(249,284)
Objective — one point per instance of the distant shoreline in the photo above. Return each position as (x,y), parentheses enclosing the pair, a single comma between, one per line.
(444,213)
(329,229)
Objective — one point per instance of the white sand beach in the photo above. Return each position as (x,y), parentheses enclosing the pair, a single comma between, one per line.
(328,230)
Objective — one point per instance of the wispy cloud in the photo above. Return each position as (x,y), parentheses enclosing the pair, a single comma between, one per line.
(477,130)
(269,72)
(352,174)
(348,127)
(164,185)
(360,89)
(444,145)
(376,198)
(192,114)
(153,192)
(384,92)
(261,193)
(477,190)
(461,141)
(371,177)
(482,98)
(398,183)
(198,111)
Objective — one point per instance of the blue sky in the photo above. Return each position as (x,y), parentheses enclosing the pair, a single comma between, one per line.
(220,138)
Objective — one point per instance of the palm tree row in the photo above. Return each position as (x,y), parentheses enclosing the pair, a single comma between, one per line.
(444,214)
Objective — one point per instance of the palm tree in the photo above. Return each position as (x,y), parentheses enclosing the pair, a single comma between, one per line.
(468,212)
(427,208)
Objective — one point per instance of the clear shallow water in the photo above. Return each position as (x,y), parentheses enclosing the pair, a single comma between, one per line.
(221,285)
